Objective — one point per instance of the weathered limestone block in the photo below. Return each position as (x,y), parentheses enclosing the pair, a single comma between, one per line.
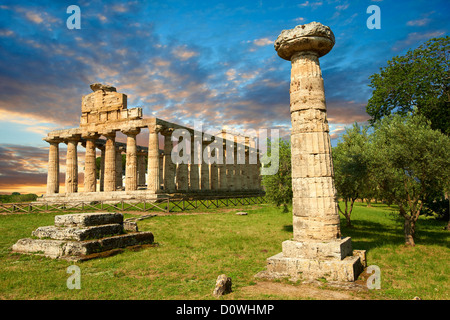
(82,220)
(78,234)
(279,266)
(332,249)
(72,250)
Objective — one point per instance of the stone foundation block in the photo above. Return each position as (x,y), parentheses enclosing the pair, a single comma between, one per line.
(333,249)
(280,266)
(82,220)
(78,234)
(71,250)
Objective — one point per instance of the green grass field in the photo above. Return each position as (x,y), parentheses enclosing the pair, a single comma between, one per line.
(194,248)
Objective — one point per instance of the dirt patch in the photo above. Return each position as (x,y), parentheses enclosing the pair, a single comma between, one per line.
(301,291)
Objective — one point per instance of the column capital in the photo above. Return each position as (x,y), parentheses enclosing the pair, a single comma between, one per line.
(90,136)
(312,37)
(132,131)
(108,133)
(166,131)
(53,140)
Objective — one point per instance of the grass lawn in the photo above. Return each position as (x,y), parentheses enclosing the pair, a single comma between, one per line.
(193,249)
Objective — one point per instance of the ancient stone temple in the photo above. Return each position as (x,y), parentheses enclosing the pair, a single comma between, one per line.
(317,249)
(104,113)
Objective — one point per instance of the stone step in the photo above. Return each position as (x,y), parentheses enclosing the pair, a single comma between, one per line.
(82,220)
(78,234)
(78,250)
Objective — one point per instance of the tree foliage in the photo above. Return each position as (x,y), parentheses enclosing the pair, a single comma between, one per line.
(418,80)
(410,162)
(279,185)
(350,168)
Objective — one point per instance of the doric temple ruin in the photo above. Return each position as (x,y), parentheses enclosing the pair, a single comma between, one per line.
(149,172)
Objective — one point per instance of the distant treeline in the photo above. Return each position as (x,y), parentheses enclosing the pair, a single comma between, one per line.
(17,197)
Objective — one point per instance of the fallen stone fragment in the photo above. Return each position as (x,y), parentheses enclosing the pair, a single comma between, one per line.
(223,286)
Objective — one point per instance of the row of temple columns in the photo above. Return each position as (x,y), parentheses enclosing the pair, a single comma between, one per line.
(163,174)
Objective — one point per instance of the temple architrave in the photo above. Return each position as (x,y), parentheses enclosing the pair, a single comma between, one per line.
(104,114)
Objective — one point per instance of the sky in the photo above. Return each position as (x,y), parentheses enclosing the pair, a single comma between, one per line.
(184,61)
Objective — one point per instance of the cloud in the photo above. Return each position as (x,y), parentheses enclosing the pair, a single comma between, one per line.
(312,5)
(263,42)
(299,19)
(415,38)
(6,33)
(418,22)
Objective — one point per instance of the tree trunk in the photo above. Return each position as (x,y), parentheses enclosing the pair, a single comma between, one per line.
(347,218)
(448,224)
(409,229)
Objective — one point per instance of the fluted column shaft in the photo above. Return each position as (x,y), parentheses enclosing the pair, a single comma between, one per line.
(223,172)
(102,168)
(204,172)
(141,168)
(214,171)
(229,152)
(193,169)
(237,170)
(169,166)
(314,205)
(90,168)
(182,170)
(53,168)
(153,166)
(72,166)
(131,167)
(110,163)
(119,169)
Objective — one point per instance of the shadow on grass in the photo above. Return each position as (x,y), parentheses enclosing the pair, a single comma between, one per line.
(368,234)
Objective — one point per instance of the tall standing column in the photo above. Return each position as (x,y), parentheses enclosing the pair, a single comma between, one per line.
(53,167)
(237,170)
(119,169)
(223,171)
(214,170)
(131,166)
(102,168)
(72,165)
(182,168)
(194,168)
(153,166)
(229,165)
(317,249)
(169,166)
(205,184)
(141,167)
(90,168)
(110,163)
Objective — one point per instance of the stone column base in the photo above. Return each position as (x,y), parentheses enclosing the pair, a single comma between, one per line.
(311,260)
